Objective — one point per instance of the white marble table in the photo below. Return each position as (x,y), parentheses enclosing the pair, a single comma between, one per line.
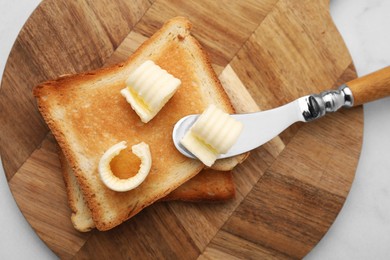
(362,229)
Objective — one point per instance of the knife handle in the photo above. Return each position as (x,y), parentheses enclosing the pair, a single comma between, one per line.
(370,87)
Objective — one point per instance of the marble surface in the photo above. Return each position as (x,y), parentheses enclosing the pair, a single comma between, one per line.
(362,229)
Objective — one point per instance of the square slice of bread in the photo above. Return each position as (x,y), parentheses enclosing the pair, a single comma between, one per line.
(87,115)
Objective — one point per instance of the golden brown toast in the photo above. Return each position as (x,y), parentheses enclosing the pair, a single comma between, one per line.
(87,114)
(207,186)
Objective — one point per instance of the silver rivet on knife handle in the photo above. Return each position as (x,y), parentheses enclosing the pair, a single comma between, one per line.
(317,105)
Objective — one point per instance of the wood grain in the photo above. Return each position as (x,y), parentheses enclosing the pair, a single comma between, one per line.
(267,53)
(39,190)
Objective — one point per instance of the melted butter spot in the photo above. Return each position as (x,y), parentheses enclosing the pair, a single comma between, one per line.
(141,102)
(125,164)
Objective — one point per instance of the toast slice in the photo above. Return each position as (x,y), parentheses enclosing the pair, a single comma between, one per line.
(81,215)
(87,114)
(207,186)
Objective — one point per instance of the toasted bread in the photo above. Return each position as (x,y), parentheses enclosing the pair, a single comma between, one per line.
(207,186)
(87,114)
(81,215)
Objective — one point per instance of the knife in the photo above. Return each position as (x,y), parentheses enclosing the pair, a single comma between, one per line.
(260,127)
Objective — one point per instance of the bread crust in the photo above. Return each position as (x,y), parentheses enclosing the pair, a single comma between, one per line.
(207,186)
(58,98)
(81,215)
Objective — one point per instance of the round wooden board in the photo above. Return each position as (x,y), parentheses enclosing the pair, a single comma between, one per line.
(288,192)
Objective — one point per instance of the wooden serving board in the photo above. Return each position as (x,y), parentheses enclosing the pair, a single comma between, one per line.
(288,192)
